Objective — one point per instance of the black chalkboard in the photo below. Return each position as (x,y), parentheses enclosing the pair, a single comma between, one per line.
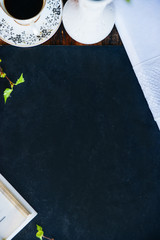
(78,142)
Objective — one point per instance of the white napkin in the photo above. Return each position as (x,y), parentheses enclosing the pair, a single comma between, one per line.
(138,24)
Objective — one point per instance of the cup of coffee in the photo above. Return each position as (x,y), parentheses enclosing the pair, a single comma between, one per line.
(24,12)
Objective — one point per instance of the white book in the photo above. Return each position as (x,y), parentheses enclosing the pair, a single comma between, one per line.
(15,212)
(138,24)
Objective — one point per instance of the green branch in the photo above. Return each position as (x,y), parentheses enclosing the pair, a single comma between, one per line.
(40,234)
(7,92)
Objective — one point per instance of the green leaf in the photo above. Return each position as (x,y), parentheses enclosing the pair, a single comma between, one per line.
(39,228)
(7,93)
(0,60)
(20,80)
(39,234)
(2,74)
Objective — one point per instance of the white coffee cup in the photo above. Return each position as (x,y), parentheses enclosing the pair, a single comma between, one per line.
(25,22)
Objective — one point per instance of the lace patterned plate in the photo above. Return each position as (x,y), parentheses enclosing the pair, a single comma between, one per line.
(23,36)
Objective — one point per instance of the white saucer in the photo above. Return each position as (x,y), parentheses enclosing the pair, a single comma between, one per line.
(23,36)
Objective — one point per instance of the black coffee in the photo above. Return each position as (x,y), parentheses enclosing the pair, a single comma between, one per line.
(23,9)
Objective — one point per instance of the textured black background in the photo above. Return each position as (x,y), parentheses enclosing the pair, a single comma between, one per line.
(78,142)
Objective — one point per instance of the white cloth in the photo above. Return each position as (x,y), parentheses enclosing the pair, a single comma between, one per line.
(138,24)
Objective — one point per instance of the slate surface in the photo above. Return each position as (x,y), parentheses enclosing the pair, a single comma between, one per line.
(78,141)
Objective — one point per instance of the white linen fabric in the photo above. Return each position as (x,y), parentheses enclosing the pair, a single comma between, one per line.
(138,24)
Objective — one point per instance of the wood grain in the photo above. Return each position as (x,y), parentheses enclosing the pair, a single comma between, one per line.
(13,200)
(62,38)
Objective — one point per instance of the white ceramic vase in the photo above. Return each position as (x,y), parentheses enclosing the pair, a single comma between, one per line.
(88,21)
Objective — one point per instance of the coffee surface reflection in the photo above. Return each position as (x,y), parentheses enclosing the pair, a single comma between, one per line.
(23,9)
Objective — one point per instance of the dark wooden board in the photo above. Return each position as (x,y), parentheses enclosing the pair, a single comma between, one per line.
(78,142)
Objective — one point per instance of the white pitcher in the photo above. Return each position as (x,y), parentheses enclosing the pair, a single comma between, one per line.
(88,21)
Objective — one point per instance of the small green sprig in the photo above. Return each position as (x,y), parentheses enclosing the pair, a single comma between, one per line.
(7,92)
(40,233)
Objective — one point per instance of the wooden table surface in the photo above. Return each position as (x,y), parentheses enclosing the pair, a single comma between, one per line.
(62,38)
